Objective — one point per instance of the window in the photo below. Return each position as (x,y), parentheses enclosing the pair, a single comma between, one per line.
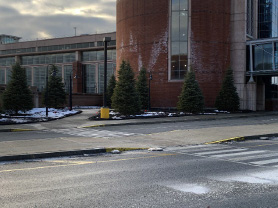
(28,72)
(67,73)
(110,71)
(90,75)
(40,77)
(179,39)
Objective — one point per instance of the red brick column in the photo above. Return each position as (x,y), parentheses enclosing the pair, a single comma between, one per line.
(210,44)
(77,77)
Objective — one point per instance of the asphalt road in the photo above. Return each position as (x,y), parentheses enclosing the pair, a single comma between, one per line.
(127,130)
(214,176)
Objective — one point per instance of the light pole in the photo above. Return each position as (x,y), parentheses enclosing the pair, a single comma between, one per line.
(150,78)
(105,40)
(70,93)
(104,111)
(46,91)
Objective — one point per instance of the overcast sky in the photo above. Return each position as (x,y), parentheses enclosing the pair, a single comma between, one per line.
(32,19)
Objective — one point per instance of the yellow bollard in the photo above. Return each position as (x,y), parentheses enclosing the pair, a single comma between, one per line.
(104,113)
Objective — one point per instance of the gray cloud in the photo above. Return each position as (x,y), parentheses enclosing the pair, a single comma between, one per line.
(95,16)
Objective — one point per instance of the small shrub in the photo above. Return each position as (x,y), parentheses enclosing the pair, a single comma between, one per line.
(191,98)
(142,88)
(228,98)
(125,98)
(17,96)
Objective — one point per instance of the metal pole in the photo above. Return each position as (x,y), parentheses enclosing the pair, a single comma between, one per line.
(105,74)
(70,93)
(46,93)
(149,101)
(105,40)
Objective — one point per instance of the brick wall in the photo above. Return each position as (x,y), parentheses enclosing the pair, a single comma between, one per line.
(210,44)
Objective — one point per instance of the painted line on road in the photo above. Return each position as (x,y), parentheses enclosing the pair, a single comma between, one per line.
(84,163)
(227,140)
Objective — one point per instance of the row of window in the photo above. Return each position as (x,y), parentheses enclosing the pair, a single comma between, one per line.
(57,47)
(48,59)
(59,58)
(20,50)
(92,75)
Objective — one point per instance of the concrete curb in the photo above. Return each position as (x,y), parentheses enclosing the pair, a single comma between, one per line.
(171,121)
(267,136)
(16,130)
(63,153)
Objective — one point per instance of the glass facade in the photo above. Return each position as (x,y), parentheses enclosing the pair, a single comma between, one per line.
(264,56)
(268,19)
(179,38)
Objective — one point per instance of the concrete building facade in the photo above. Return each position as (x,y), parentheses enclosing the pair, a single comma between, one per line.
(168,37)
(82,57)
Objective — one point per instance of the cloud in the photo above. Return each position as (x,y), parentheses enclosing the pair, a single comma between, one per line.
(32,19)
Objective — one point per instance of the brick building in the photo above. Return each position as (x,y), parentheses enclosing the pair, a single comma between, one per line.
(168,36)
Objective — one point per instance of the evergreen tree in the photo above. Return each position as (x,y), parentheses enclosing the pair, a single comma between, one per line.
(142,88)
(228,98)
(56,93)
(125,98)
(110,90)
(17,96)
(191,98)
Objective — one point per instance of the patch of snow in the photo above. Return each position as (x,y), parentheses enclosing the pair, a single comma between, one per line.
(190,188)
(116,152)
(155,149)
(38,113)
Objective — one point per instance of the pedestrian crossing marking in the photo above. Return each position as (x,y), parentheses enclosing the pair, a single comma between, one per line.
(264,162)
(239,154)
(220,151)
(265,158)
(91,133)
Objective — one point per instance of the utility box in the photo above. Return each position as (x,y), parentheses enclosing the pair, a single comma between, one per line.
(104,113)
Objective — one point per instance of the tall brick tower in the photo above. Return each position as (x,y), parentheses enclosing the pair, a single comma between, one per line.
(166,37)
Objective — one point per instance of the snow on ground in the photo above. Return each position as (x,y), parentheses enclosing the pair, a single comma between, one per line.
(37,114)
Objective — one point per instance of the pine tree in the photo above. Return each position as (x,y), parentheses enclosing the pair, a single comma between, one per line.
(110,90)
(125,98)
(17,96)
(228,98)
(56,93)
(142,88)
(191,98)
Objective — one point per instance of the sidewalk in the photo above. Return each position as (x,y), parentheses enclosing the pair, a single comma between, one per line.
(40,148)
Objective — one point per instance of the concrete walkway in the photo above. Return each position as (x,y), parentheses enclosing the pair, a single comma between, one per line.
(39,148)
